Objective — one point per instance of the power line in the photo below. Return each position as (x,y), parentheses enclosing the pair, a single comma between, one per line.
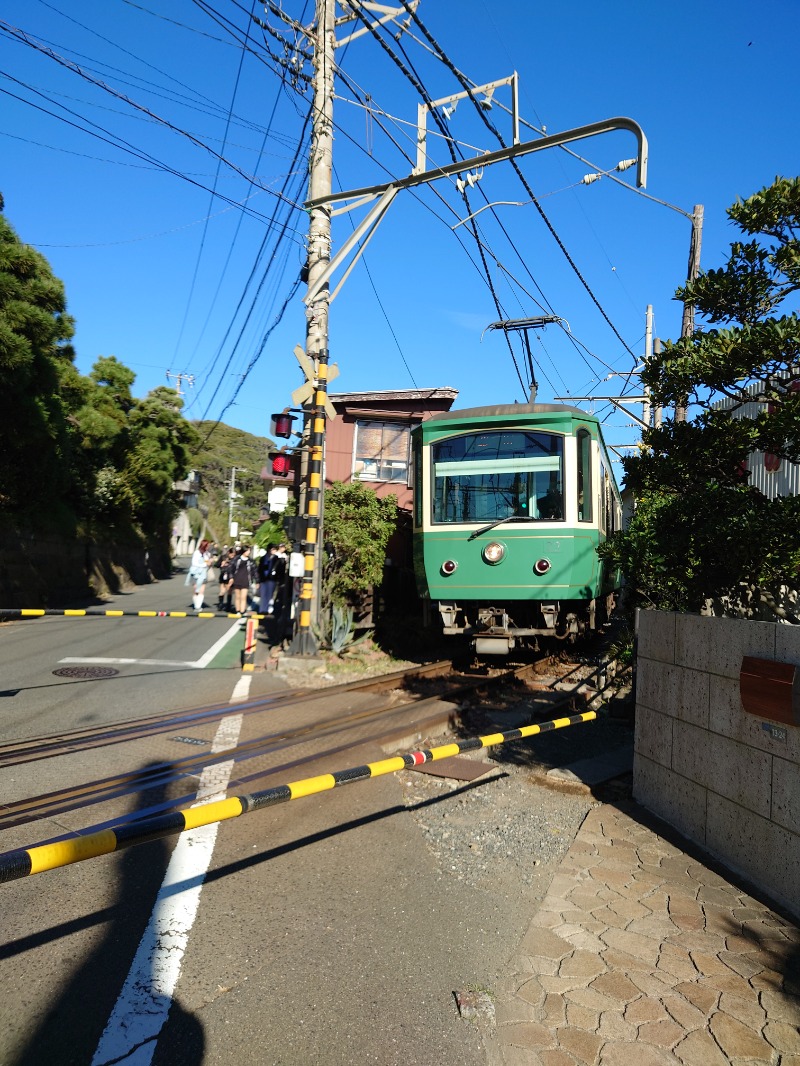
(465,85)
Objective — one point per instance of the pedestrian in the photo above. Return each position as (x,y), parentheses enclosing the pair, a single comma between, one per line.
(271,570)
(198,573)
(226,579)
(241,580)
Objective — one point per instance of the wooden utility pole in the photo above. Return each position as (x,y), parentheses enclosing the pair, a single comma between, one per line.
(693,269)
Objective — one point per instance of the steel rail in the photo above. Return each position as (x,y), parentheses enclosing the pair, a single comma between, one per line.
(15,753)
(45,805)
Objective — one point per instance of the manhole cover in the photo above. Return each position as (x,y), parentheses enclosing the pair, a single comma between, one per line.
(86,671)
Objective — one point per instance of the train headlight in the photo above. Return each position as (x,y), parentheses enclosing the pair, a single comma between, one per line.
(494,552)
(541,566)
(449,566)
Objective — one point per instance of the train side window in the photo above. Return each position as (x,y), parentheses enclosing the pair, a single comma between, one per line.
(584,475)
(607,503)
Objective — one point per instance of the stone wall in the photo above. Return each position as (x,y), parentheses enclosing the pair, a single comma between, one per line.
(724,778)
(41,571)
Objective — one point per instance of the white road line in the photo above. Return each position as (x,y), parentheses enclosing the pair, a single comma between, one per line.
(199,664)
(146,997)
(127,662)
(242,688)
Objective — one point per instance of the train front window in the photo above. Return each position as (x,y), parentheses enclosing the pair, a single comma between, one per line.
(483,477)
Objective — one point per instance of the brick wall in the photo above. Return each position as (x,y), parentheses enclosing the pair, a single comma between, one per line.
(721,776)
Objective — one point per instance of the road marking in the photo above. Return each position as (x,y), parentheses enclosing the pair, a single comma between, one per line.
(199,664)
(146,997)
(242,688)
(128,662)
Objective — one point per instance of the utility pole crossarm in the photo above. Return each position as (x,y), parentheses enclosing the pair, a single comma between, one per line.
(594,129)
(387,191)
(618,401)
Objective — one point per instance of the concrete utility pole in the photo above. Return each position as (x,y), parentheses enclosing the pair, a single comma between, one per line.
(321,264)
(231,498)
(693,269)
(180,378)
(319,254)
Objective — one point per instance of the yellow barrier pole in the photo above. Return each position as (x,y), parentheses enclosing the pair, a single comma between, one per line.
(40,857)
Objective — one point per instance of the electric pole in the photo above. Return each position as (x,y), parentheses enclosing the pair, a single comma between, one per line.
(321,263)
(693,269)
(319,254)
(180,378)
(648,355)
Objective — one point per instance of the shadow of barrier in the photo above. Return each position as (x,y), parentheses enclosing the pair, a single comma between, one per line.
(23,862)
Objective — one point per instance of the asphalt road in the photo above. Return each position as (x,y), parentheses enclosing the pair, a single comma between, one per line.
(155,664)
(322,931)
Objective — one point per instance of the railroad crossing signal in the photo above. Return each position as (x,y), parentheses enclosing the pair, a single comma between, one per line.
(306,391)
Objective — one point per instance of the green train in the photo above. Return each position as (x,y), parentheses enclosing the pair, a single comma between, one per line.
(510,505)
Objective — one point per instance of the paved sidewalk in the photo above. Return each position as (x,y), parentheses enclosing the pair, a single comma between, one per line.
(640,955)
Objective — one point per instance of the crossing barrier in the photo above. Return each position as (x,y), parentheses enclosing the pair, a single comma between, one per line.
(16,613)
(23,862)
(249,653)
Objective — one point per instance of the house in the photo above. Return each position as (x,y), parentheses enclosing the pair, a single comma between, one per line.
(370,441)
(768,473)
(187,491)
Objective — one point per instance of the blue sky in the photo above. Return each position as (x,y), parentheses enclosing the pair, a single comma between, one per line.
(179,263)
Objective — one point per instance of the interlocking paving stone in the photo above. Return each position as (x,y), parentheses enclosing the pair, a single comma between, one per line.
(639,944)
(585,1046)
(699,1049)
(555,1057)
(736,1039)
(663,1034)
(783,1037)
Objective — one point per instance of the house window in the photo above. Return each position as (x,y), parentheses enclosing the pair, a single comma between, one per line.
(381,451)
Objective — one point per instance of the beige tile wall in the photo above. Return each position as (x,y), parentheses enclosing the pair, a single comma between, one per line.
(703,763)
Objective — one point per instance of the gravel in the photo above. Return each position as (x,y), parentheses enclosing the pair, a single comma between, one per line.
(501,832)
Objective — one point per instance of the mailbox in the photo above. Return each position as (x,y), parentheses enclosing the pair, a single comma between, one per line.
(771,690)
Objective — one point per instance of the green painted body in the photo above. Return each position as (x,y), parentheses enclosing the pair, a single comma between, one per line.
(575,576)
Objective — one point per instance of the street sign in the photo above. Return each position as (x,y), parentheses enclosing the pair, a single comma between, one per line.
(305,393)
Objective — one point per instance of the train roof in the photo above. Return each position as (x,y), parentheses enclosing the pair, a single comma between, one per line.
(505,409)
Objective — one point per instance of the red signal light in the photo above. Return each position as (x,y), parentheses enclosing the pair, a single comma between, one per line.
(281,465)
(449,566)
(541,566)
(281,424)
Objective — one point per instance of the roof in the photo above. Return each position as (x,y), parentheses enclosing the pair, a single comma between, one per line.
(506,409)
(385,395)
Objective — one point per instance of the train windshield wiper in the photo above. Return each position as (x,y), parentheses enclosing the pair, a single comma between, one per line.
(499,522)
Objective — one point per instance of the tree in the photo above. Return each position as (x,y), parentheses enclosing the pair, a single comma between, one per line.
(356,529)
(700,531)
(221,449)
(162,443)
(35,362)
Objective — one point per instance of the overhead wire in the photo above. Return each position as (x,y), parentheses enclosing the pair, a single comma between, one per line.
(20,35)
(416,81)
(420,88)
(463,81)
(212,195)
(116,141)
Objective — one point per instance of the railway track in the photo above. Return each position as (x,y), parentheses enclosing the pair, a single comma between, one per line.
(15,753)
(409,708)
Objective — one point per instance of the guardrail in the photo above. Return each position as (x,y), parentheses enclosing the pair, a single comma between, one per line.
(23,862)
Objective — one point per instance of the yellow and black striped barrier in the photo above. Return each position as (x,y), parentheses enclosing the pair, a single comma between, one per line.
(14,613)
(35,860)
